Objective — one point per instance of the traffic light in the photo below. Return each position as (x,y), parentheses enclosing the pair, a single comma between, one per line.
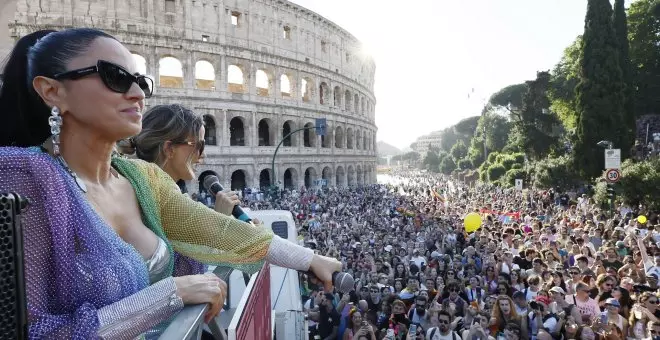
(610,191)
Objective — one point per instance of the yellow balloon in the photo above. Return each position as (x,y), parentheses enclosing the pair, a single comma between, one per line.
(641,219)
(472,222)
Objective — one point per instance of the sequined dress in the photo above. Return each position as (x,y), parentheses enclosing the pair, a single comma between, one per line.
(83,281)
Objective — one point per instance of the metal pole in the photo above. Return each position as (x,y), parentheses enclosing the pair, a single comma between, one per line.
(280,144)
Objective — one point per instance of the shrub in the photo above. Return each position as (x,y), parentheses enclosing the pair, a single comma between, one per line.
(464,164)
(495,171)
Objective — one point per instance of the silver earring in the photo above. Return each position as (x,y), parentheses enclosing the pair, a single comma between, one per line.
(55,122)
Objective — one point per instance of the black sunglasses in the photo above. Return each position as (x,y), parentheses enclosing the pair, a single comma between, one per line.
(199,145)
(115,77)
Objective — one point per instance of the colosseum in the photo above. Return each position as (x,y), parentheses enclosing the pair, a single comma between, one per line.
(256,69)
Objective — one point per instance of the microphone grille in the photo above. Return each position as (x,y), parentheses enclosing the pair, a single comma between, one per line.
(209,180)
(344,283)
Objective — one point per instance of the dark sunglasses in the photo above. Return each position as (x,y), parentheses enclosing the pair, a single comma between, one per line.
(199,145)
(115,77)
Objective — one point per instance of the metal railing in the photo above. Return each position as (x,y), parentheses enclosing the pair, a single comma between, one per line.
(189,323)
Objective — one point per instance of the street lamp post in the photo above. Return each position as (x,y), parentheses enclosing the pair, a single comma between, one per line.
(273,180)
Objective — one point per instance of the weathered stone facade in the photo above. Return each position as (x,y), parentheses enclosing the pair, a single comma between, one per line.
(309,68)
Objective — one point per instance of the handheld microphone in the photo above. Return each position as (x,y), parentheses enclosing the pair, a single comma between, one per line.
(212,184)
(343,282)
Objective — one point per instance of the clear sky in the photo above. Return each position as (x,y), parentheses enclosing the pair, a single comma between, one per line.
(430,54)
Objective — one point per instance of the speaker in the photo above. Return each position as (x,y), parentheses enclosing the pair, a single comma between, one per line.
(13,308)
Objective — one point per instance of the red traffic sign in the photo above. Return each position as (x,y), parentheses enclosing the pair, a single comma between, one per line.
(612,175)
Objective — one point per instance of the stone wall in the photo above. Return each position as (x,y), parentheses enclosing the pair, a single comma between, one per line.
(312,69)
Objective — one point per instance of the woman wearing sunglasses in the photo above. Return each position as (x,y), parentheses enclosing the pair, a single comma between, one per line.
(172,137)
(94,260)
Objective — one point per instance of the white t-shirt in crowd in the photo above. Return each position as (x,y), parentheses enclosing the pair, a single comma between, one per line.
(419,261)
(590,307)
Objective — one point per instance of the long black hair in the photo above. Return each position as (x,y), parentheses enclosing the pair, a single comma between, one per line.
(23,114)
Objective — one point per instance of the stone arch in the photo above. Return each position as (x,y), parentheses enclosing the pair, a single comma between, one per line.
(326,174)
(239,180)
(204,75)
(235,78)
(202,177)
(356,103)
(350,176)
(324,94)
(290,178)
(336,96)
(309,136)
(365,142)
(358,175)
(264,83)
(358,139)
(348,100)
(349,138)
(340,175)
(210,132)
(307,89)
(266,132)
(310,177)
(265,177)
(287,128)
(285,86)
(140,63)
(326,141)
(170,72)
(237,131)
(339,137)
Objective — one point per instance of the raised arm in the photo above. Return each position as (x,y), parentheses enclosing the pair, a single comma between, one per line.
(213,238)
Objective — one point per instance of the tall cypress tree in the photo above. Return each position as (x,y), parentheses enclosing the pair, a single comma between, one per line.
(620,23)
(599,91)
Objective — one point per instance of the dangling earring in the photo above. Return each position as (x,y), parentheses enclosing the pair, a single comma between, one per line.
(55,122)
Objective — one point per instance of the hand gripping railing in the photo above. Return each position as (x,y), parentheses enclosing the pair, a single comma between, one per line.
(189,323)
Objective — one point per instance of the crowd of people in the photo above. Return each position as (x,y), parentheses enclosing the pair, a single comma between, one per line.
(544,264)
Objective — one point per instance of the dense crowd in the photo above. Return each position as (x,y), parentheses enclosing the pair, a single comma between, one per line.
(544,264)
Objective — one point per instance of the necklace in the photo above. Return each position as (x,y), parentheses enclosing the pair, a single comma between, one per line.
(78,180)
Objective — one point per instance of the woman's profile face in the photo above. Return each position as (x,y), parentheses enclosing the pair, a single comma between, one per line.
(184,157)
(87,105)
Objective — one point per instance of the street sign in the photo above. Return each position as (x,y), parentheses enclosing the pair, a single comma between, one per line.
(320,126)
(519,184)
(321,182)
(613,159)
(612,175)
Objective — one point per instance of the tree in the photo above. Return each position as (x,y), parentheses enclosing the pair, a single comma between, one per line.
(458,151)
(644,37)
(447,165)
(620,25)
(431,161)
(564,79)
(533,129)
(509,98)
(496,127)
(600,90)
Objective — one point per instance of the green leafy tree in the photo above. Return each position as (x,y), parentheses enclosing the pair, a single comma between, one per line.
(620,24)
(600,91)
(458,151)
(639,184)
(431,161)
(534,125)
(447,165)
(495,171)
(555,172)
(644,36)
(565,77)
